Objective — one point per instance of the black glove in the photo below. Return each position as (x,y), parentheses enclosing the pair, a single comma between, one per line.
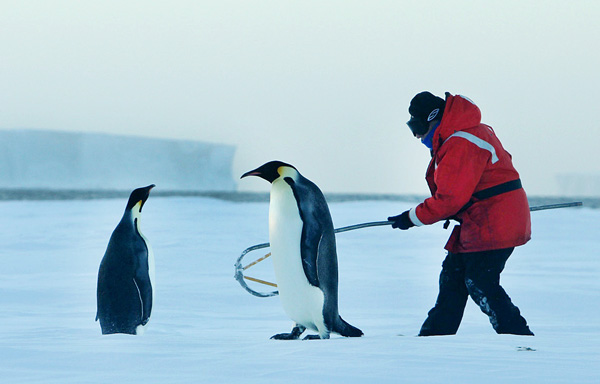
(401,221)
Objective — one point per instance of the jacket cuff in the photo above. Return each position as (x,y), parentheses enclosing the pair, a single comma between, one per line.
(412,215)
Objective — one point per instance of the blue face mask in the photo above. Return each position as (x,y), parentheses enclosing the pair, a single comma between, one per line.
(428,140)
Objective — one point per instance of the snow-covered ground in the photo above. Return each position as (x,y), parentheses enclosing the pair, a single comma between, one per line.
(206,328)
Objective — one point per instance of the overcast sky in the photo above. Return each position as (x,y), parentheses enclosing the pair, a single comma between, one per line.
(324,85)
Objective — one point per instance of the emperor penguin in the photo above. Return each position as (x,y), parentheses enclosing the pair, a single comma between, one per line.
(126,276)
(302,241)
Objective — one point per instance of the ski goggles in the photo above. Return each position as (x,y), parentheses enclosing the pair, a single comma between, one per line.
(417,126)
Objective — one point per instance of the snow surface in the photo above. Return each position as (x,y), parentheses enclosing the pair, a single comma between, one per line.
(206,328)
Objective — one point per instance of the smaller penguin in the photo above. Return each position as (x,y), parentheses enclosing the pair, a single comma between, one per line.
(126,275)
(302,240)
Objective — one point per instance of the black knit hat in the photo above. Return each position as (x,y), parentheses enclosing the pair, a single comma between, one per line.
(424,107)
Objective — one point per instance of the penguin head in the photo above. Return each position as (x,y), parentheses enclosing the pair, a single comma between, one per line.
(272,170)
(139,196)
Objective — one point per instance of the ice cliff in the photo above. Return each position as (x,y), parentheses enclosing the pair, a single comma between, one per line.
(64,160)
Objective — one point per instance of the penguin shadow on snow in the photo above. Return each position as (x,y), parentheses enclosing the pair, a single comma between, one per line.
(126,275)
(303,248)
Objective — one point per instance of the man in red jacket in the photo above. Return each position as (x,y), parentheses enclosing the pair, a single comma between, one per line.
(472,180)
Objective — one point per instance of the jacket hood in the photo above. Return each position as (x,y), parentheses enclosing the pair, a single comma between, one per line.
(460,113)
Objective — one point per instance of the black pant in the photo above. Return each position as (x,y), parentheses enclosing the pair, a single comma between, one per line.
(475,274)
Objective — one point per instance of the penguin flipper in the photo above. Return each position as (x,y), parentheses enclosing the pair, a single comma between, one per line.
(144,288)
(309,251)
(312,234)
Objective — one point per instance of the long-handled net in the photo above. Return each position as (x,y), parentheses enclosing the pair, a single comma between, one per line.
(240,269)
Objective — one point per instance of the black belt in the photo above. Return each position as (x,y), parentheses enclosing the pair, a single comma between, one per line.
(496,190)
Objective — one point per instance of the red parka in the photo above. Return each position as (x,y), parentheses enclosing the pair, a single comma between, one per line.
(467,158)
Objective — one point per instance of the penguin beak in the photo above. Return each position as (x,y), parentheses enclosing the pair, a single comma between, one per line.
(258,172)
(268,171)
(251,173)
(148,189)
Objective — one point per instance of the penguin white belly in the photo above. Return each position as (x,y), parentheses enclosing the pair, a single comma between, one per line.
(302,302)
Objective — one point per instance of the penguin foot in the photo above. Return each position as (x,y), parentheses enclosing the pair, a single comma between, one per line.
(312,337)
(285,336)
(294,335)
